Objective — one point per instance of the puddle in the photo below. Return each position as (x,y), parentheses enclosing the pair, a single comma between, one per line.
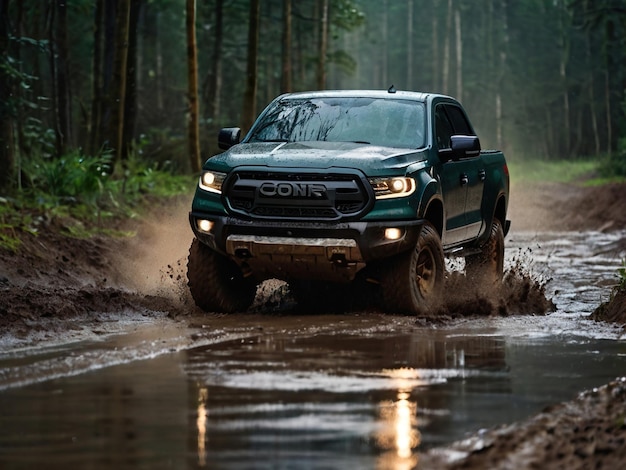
(319,391)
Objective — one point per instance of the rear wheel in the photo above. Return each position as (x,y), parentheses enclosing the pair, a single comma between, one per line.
(217,283)
(487,267)
(412,281)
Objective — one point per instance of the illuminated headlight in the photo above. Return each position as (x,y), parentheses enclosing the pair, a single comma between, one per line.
(212,181)
(393,233)
(385,188)
(204,225)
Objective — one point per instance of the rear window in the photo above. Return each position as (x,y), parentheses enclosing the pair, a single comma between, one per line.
(385,122)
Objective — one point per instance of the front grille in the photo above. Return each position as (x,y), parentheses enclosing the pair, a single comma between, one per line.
(275,195)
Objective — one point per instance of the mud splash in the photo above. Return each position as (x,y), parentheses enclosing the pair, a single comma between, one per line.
(520,293)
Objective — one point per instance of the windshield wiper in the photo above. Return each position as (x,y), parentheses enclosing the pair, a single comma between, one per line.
(269,140)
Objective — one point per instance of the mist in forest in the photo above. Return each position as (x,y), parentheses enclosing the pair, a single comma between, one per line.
(538,78)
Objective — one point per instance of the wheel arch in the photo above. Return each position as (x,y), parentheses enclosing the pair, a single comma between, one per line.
(434,214)
(500,209)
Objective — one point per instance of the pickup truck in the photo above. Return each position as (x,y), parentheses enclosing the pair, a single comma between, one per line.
(331,187)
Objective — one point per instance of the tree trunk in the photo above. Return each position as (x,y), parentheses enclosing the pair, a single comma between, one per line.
(323,47)
(130,101)
(446,51)
(97,98)
(213,88)
(192,73)
(249,98)
(118,88)
(159,64)
(607,102)
(592,98)
(286,85)
(459,55)
(384,53)
(435,46)
(565,52)
(504,46)
(409,48)
(7,161)
(63,126)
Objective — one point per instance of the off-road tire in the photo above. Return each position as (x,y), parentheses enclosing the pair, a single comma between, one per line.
(412,282)
(216,283)
(487,267)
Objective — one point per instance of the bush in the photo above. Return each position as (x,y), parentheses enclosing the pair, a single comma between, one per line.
(615,164)
(86,188)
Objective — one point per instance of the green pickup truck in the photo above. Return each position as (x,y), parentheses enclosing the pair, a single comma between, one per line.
(332,187)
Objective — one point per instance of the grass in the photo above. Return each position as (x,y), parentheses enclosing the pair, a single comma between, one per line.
(586,172)
(552,171)
(79,191)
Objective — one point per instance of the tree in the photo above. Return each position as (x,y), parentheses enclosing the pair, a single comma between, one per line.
(212,88)
(249,97)
(118,88)
(286,75)
(192,72)
(323,46)
(130,99)
(95,127)
(59,58)
(7,162)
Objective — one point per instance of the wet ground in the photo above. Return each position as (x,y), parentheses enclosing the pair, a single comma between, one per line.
(284,390)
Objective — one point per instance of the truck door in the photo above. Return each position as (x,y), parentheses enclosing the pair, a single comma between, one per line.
(461,179)
(473,172)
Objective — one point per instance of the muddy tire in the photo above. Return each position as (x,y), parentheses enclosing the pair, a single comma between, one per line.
(487,267)
(412,282)
(216,283)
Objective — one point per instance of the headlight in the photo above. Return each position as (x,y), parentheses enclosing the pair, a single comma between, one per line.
(212,181)
(385,188)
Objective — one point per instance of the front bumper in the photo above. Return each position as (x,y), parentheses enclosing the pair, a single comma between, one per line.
(305,250)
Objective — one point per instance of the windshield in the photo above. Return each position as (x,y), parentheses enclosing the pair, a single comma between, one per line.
(385,122)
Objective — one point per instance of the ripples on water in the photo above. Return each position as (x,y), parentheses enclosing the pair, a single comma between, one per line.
(357,391)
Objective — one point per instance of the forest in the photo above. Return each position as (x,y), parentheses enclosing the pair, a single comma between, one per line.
(121,81)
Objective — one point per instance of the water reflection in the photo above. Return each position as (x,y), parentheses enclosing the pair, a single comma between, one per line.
(399,437)
(282,398)
(201,425)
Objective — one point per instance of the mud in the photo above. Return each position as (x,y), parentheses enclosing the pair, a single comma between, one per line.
(58,289)
(588,432)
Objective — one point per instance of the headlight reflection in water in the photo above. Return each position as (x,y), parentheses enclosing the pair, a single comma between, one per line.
(399,436)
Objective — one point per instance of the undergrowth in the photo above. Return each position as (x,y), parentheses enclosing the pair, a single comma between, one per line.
(80,190)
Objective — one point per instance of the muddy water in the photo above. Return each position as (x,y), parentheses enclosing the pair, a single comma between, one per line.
(353,391)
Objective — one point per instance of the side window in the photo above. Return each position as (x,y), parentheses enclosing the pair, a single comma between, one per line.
(459,122)
(443,128)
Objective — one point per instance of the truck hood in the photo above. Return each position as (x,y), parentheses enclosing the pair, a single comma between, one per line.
(370,159)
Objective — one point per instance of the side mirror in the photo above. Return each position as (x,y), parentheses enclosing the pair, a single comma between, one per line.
(464,146)
(228,137)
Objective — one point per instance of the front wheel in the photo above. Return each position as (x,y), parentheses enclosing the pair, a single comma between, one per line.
(487,267)
(412,281)
(216,283)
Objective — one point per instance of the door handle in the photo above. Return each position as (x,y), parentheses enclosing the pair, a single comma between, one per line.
(482,175)
(464,179)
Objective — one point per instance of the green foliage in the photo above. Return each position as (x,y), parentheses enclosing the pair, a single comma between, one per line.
(142,177)
(614,165)
(14,219)
(346,15)
(69,179)
(81,191)
(557,171)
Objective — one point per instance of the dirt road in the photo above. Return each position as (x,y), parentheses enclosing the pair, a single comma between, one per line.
(57,288)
